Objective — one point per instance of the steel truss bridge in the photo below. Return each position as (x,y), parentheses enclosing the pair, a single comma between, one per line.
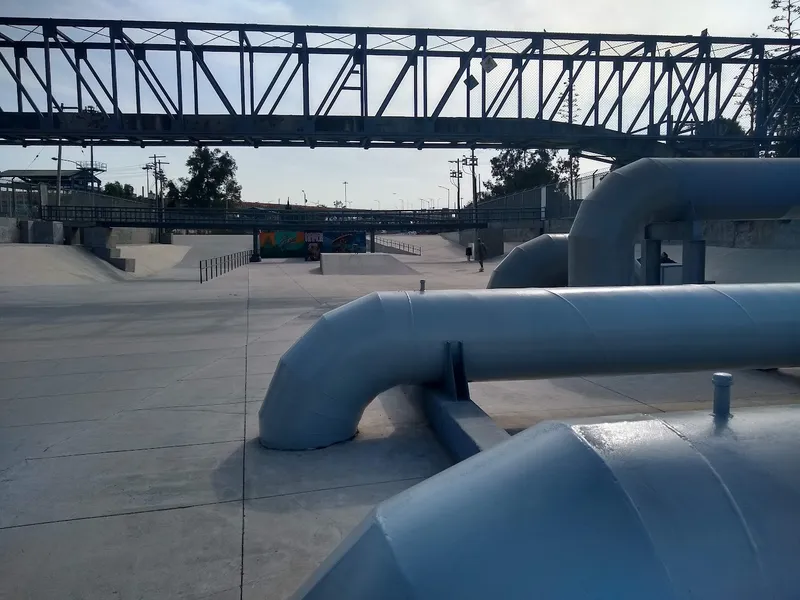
(80,81)
(288,220)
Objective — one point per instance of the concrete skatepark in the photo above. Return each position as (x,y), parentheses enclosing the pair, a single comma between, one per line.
(130,454)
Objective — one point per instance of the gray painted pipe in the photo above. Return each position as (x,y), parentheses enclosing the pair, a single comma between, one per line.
(672,189)
(352,354)
(540,262)
(663,507)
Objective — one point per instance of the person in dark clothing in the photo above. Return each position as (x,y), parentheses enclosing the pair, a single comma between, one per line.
(480,253)
(469,253)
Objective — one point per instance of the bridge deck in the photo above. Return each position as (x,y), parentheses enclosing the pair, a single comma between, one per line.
(289,220)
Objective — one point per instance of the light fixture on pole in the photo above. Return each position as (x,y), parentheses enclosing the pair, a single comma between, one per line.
(447,189)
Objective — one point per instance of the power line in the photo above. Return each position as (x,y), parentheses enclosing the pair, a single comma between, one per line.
(34,158)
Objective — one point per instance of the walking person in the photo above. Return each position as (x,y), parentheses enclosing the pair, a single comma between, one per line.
(480,253)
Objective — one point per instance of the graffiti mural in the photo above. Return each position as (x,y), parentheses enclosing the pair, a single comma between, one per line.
(352,242)
(300,244)
(282,244)
(314,241)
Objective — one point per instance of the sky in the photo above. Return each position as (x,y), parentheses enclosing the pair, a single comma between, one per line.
(386,178)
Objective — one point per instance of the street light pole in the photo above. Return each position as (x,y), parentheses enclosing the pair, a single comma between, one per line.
(345,194)
(379,203)
(447,189)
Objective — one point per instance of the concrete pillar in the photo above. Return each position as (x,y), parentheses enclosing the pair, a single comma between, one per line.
(372,241)
(651,262)
(256,256)
(694,261)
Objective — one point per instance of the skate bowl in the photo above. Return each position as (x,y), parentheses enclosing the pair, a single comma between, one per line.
(363,264)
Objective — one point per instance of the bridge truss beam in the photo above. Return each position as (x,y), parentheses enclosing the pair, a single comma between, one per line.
(78,81)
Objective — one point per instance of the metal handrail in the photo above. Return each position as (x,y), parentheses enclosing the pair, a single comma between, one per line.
(410,248)
(219,265)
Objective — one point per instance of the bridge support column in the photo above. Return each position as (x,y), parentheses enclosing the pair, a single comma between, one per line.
(694,261)
(372,241)
(256,256)
(651,262)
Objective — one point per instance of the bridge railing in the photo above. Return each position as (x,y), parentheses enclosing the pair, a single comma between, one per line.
(219,265)
(286,219)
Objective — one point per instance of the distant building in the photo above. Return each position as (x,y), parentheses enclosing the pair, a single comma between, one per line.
(71,179)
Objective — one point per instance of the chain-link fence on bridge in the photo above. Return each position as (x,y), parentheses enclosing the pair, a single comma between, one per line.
(548,201)
(22,201)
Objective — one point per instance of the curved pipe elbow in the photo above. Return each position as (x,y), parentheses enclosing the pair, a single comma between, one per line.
(537,263)
(327,378)
(354,353)
(653,190)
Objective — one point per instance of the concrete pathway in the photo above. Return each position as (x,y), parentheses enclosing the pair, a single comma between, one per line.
(129,462)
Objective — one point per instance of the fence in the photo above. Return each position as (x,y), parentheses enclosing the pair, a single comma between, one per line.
(553,201)
(410,248)
(214,267)
(23,200)
(19,201)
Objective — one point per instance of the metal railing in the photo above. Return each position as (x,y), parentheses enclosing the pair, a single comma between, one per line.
(305,220)
(409,248)
(214,267)
(24,201)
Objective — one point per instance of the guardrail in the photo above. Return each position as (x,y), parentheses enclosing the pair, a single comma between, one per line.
(214,267)
(297,219)
(410,248)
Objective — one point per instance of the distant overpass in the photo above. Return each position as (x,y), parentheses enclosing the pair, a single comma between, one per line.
(286,220)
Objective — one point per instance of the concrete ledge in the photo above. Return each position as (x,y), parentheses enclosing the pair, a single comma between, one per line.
(123,264)
(461,426)
(106,254)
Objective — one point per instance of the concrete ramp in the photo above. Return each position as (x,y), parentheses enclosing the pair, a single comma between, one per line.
(153,258)
(39,264)
(363,264)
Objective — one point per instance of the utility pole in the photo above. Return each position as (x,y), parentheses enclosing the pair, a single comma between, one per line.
(472,162)
(156,169)
(345,194)
(457,174)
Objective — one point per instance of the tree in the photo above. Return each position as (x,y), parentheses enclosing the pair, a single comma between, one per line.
(783,93)
(119,190)
(514,170)
(211,182)
(569,167)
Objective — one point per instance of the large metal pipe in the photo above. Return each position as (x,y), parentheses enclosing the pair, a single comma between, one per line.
(650,190)
(325,381)
(658,507)
(540,262)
